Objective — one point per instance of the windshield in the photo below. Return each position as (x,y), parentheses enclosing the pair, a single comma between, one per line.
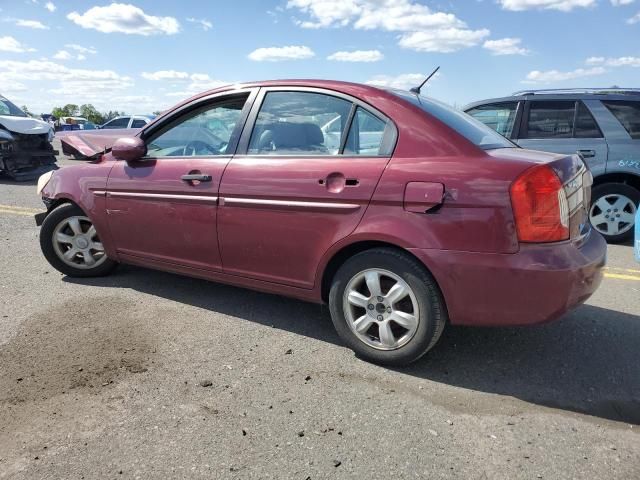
(8,108)
(470,128)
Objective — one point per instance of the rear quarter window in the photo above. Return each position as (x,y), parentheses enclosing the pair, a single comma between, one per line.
(627,113)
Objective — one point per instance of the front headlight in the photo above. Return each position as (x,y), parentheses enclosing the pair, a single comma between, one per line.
(43,180)
(50,135)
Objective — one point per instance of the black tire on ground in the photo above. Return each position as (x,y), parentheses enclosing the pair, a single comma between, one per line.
(628,191)
(432,309)
(46,244)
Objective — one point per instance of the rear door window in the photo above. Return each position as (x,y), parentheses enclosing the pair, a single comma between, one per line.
(627,113)
(499,116)
(299,123)
(550,119)
(365,135)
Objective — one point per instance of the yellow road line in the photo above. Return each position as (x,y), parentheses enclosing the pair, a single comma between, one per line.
(622,277)
(16,212)
(630,270)
(19,209)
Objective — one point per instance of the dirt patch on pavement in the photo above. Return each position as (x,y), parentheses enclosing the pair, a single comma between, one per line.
(79,345)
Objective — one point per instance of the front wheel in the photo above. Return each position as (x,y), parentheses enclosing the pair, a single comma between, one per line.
(387,307)
(613,210)
(71,244)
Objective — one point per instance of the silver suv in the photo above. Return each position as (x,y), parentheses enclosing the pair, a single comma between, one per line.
(602,125)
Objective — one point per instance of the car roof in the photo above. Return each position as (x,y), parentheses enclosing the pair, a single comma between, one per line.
(349,88)
(627,94)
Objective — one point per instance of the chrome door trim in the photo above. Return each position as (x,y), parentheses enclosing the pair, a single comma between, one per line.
(164,196)
(287,204)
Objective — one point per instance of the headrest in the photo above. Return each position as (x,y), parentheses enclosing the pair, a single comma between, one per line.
(302,136)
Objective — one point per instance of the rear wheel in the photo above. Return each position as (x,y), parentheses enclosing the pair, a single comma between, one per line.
(386,307)
(613,210)
(71,244)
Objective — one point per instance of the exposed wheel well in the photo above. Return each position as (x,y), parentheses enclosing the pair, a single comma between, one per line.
(618,177)
(61,201)
(342,255)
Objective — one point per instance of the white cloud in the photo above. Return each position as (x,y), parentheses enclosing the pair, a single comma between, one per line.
(635,19)
(553,76)
(614,62)
(404,81)
(50,6)
(562,5)
(203,22)
(276,54)
(124,18)
(443,40)
(81,49)
(165,75)
(65,55)
(618,3)
(505,46)
(357,56)
(197,82)
(10,44)
(420,27)
(31,24)
(62,55)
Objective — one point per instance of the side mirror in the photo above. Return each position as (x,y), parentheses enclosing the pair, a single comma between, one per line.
(129,149)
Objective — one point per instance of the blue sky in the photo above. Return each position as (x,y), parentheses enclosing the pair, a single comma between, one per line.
(145,55)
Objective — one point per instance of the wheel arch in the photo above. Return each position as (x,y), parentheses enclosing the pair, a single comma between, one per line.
(626,178)
(345,252)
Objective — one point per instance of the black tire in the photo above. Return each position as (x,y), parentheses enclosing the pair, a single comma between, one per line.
(628,191)
(46,244)
(432,316)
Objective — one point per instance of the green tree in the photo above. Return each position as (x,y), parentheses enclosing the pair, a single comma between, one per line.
(89,112)
(112,114)
(71,110)
(25,109)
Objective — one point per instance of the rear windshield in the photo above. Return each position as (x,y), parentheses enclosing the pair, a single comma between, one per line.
(470,128)
(8,108)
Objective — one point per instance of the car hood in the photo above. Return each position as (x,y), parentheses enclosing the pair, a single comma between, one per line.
(91,143)
(24,125)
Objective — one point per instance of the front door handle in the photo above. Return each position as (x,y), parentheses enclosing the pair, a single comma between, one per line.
(587,153)
(196,177)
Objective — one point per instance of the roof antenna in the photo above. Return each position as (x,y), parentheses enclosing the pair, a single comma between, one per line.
(416,90)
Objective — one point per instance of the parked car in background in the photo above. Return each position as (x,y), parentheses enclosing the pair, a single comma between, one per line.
(128,121)
(68,124)
(25,144)
(602,125)
(443,220)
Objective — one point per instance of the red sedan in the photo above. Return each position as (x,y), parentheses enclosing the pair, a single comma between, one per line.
(399,212)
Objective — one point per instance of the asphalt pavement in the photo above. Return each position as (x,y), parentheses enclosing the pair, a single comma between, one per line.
(146,374)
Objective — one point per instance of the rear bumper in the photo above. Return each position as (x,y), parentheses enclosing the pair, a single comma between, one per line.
(536,285)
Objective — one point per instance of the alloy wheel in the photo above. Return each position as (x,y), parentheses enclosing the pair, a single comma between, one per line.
(381,309)
(76,243)
(612,214)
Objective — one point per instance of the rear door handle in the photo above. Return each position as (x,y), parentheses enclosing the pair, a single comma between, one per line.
(587,153)
(196,177)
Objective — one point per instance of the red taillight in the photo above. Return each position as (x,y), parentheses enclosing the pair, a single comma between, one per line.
(540,206)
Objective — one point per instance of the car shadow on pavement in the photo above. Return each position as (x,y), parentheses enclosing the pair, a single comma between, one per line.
(18,183)
(587,362)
